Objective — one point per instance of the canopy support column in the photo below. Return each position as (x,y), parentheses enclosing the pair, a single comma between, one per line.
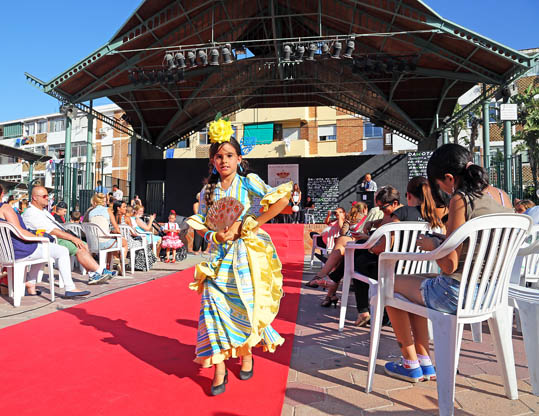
(445,136)
(67,166)
(30,179)
(508,157)
(89,150)
(486,135)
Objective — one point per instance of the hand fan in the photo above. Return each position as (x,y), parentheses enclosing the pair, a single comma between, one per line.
(223,213)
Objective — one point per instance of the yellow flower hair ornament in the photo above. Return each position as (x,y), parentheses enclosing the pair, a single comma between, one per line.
(220,130)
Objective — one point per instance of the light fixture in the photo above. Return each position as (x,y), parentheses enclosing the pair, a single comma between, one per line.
(179,59)
(214,57)
(311,52)
(337,46)
(192,58)
(350,46)
(227,54)
(169,61)
(300,50)
(203,56)
(287,52)
(325,48)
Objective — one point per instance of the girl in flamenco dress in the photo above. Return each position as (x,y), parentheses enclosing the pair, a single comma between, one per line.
(241,286)
(171,241)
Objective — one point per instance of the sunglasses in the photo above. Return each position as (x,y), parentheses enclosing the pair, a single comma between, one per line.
(44,196)
(387,205)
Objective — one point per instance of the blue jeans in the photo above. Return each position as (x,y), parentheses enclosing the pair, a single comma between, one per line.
(441,293)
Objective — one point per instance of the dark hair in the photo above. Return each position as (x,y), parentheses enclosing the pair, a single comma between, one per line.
(388,194)
(213,178)
(10,198)
(116,206)
(419,187)
(75,215)
(61,205)
(100,182)
(470,179)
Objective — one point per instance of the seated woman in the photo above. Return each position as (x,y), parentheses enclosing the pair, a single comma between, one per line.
(450,169)
(146,228)
(102,216)
(352,227)
(31,250)
(333,229)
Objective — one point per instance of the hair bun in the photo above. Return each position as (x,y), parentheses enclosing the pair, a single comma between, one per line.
(172,212)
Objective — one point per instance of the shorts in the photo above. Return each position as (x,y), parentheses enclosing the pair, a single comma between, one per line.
(69,245)
(441,293)
(106,244)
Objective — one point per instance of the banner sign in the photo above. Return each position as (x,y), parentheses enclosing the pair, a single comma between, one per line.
(278,174)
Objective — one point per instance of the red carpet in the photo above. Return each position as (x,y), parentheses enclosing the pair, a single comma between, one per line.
(130,353)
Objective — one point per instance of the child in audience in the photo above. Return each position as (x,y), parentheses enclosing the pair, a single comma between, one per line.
(75,217)
(171,241)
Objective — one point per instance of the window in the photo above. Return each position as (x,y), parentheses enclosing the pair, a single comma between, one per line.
(183,144)
(277,132)
(327,133)
(78,150)
(204,138)
(57,151)
(42,126)
(493,112)
(370,130)
(58,124)
(30,129)
(106,151)
(291,133)
(40,150)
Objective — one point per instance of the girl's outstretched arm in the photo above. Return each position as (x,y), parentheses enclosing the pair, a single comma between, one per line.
(272,211)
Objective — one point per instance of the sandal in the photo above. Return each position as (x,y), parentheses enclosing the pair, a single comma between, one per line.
(326,303)
(311,283)
(325,282)
(362,321)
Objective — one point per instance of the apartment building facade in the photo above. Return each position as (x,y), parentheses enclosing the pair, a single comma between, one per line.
(45,134)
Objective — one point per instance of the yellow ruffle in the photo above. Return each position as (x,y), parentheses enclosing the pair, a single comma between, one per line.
(282,191)
(267,281)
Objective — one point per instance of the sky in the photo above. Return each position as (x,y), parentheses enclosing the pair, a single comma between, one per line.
(45,38)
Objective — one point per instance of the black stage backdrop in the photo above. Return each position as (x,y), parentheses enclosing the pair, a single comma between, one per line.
(184,177)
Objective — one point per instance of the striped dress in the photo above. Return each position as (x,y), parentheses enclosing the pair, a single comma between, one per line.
(241,286)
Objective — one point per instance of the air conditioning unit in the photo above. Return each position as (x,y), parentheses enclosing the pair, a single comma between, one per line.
(102,131)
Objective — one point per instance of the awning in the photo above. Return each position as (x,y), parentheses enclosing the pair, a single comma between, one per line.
(23,154)
(263,132)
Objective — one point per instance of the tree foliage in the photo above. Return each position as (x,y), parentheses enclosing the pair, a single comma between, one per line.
(528,131)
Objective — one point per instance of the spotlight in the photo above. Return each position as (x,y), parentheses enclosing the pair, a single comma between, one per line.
(300,50)
(337,46)
(350,46)
(227,54)
(179,59)
(311,52)
(203,57)
(192,58)
(169,61)
(214,57)
(325,48)
(287,51)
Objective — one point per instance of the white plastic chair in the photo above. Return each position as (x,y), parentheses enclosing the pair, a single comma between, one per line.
(494,241)
(77,230)
(404,236)
(93,234)
(323,250)
(527,301)
(127,231)
(17,268)
(309,216)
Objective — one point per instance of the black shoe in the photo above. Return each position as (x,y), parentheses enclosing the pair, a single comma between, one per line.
(215,390)
(73,293)
(246,375)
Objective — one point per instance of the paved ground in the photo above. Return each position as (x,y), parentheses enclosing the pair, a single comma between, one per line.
(328,368)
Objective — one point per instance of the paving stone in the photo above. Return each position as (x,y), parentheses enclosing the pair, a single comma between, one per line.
(381,382)
(495,368)
(356,396)
(416,398)
(292,375)
(531,401)
(326,378)
(287,410)
(397,410)
(328,407)
(478,403)
(490,383)
(298,394)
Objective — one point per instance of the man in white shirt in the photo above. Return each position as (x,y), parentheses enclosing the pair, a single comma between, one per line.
(117,193)
(368,184)
(36,217)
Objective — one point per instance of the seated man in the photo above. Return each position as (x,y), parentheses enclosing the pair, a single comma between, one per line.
(37,217)
(31,250)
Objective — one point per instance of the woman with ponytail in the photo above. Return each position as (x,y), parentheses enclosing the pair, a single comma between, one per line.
(451,171)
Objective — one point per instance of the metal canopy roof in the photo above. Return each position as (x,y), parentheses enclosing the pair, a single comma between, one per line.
(22,154)
(444,61)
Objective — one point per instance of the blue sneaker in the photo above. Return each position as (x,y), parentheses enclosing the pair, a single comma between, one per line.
(109,274)
(397,370)
(96,278)
(429,372)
